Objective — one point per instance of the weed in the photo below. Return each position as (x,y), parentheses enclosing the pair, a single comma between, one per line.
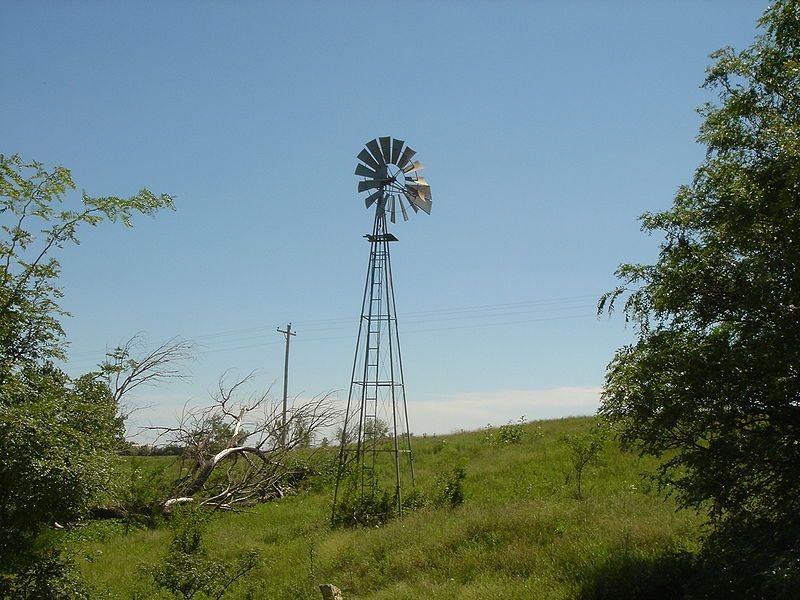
(450,488)
(510,433)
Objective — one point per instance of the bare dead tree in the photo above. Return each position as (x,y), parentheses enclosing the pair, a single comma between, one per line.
(130,365)
(234,452)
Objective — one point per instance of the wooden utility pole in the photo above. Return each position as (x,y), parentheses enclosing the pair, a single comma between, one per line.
(288,333)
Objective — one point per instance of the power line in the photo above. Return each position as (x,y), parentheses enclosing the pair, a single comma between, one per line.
(468,313)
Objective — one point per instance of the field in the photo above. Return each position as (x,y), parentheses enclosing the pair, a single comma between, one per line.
(521,532)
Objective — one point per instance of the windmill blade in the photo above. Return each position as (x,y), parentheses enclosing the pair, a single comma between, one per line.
(402,208)
(419,199)
(370,200)
(366,157)
(405,158)
(373,147)
(363,186)
(366,172)
(410,197)
(397,146)
(417,166)
(423,190)
(386,148)
(424,204)
(417,180)
(391,208)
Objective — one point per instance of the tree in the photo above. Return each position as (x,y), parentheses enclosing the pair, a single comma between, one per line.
(712,382)
(233,450)
(584,450)
(188,572)
(57,434)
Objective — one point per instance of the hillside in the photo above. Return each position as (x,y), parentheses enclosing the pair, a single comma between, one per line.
(521,532)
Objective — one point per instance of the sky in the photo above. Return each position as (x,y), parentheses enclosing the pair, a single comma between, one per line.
(546,129)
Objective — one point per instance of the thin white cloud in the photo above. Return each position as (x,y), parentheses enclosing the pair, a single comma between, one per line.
(473,410)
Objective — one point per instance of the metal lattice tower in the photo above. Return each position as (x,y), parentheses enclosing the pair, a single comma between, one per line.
(375,445)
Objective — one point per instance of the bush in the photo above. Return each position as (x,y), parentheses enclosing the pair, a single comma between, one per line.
(450,488)
(510,433)
(187,571)
(51,575)
(140,490)
(371,509)
(312,473)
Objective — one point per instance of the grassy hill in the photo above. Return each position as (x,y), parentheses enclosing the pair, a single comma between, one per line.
(521,532)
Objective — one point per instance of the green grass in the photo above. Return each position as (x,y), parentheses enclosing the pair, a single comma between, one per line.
(521,532)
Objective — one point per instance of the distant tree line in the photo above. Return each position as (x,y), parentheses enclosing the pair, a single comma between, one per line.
(132,449)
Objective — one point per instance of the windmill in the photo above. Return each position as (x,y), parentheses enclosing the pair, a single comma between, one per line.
(375,444)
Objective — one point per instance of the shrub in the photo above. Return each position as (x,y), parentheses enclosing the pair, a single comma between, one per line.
(187,571)
(510,433)
(52,575)
(584,450)
(140,490)
(450,488)
(369,509)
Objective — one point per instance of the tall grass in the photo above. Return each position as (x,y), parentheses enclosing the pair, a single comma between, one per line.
(521,532)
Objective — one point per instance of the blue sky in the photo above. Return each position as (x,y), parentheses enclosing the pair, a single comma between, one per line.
(546,128)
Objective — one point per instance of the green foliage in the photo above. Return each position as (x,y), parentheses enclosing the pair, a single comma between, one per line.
(711,384)
(371,509)
(58,435)
(510,433)
(131,449)
(740,561)
(414,499)
(632,576)
(316,471)
(585,449)
(450,488)
(139,491)
(52,575)
(377,429)
(58,438)
(34,227)
(374,506)
(187,571)
(367,506)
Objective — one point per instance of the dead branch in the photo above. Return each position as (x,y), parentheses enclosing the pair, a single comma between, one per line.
(128,366)
(233,449)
